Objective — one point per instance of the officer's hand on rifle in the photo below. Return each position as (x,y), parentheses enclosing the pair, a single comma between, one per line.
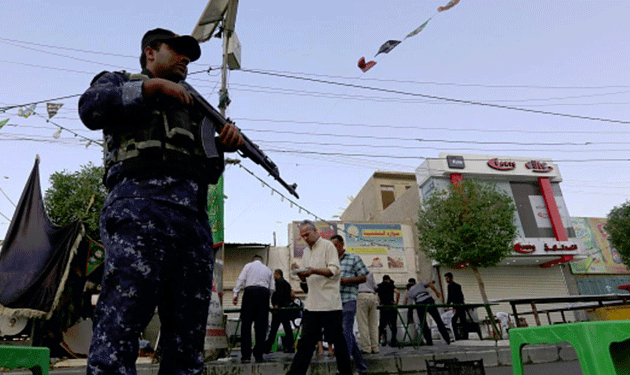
(230,138)
(160,86)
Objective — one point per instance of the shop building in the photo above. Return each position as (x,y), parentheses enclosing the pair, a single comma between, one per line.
(547,241)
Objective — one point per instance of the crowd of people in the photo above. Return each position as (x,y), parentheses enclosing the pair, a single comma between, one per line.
(339,289)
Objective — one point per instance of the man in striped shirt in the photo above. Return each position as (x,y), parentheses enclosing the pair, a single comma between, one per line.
(353,273)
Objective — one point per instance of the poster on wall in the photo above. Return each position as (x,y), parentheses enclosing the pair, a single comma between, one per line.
(216,337)
(602,258)
(381,246)
(324,228)
(540,211)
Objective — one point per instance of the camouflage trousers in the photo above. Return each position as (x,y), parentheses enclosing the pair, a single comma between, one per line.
(156,254)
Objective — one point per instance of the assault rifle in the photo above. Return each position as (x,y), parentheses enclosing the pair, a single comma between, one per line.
(249,149)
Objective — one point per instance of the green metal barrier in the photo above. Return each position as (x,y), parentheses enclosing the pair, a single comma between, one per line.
(36,359)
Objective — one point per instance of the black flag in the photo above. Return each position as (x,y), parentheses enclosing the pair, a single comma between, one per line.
(35,257)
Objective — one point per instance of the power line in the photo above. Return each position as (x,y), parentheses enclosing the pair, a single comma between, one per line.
(67,48)
(6,196)
(5,216)
(336,95)
(419,157)
(411,139)
(62,55)
(390,126)
(452,100)
(435,83)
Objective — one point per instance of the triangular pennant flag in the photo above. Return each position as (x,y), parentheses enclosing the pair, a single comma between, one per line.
(365,66)
(3,123)
(57,134)
(448,6)
(53,108)
(27,111)
(417,31)
(388,46)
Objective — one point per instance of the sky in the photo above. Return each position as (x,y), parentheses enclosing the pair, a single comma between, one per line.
(327,125)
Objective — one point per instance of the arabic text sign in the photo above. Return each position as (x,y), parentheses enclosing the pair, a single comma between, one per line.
(381,246)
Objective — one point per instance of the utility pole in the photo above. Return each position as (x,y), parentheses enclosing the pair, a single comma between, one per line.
(216,12)
(228,29)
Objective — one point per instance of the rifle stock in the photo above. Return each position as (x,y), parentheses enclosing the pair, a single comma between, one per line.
(249,149)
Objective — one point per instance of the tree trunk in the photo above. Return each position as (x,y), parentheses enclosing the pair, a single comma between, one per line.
(484,298)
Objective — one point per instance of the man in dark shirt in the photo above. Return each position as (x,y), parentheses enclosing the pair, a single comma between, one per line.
(281,298)
(455,296)
(389,317)
(158,241)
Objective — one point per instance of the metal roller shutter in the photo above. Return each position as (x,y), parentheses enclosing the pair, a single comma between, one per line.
(512,282)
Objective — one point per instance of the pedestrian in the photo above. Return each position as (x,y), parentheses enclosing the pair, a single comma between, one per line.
(353,273)
(321,272)
(158,241)
(386,291)
(456,296)
(257,281)
(421,296)
(279,299)
(411,282)
(367,315)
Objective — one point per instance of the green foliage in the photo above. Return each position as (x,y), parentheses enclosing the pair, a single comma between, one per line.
(70,198)
(469,223)
(618,227)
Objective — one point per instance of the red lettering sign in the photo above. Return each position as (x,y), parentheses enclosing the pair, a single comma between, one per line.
(524,249)
(538,166)
(562,247)
(501,165)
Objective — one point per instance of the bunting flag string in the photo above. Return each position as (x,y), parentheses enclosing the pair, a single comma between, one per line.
(27,111)
(417,31)
(388,46)
(53,108)
(57,134)
(448,6)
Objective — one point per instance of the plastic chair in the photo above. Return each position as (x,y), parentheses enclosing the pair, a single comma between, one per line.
(36,359)
(603,348)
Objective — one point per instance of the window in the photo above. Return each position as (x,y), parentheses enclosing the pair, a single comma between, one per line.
(387,195)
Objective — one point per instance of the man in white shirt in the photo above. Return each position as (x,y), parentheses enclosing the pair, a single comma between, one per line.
(257,280)
(321,271)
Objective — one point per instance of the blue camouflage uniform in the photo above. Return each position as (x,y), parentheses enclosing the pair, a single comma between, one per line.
(158,241)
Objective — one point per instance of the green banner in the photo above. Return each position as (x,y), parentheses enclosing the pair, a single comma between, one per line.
(215,210)
(96,256)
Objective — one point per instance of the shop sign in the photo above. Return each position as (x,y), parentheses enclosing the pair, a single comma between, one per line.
(455,161)
(532,245)
(524,248)
(561,247)
(502,165)
(538,166)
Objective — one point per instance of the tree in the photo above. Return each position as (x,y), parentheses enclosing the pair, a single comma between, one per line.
(471,223)
(77,195)
(618,227)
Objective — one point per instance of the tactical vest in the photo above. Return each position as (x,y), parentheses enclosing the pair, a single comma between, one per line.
(161,136)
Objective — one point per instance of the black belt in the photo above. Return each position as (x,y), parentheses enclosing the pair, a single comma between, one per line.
(256,287)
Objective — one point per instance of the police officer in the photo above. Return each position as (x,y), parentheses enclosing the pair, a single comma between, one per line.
(154,226)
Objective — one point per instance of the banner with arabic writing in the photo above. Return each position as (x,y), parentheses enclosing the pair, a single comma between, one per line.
(381,246)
